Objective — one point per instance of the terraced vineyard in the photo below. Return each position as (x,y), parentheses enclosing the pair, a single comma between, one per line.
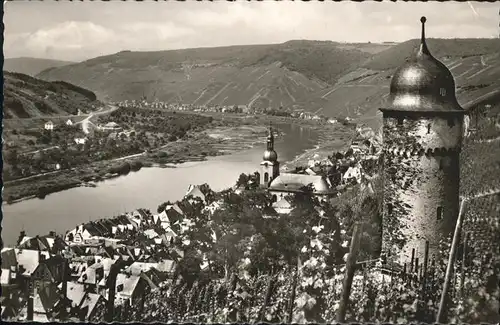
(332,79)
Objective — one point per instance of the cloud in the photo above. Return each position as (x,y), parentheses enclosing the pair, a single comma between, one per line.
(76,31)
(66,38)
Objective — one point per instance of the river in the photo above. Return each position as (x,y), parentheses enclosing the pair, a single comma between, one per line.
(146,188)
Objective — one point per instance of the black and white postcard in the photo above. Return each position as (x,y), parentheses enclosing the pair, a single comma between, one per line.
(250,162)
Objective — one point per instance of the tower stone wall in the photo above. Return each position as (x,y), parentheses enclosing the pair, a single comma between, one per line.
(269,171)
(421,181)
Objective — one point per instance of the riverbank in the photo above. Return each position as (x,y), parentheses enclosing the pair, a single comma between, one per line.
(196,147)
(243,132)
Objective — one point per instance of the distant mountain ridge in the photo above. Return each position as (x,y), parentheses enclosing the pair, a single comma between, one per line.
(31,66)
(27,97)
(329,78)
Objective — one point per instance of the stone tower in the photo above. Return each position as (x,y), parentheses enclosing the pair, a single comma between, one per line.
(270,166)
(422,136)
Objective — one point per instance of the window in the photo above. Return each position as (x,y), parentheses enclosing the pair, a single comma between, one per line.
(428,128)
(442,92)
(119,288)
(389,208)
(439,213)
(266,177)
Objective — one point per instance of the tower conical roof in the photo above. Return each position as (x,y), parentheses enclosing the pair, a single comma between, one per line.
(270,154)
(423,83)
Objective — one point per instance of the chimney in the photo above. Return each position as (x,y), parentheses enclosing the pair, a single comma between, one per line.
(65,276)
(31,296)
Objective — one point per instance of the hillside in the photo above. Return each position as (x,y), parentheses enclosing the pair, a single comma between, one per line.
(28,97)
(329,78)
(280,74)
(31,66)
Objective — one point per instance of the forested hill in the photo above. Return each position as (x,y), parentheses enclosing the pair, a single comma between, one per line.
(31,66)
(333,79)
(28,97)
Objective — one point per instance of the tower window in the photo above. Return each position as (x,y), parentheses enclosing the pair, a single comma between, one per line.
(266,177)
(442,92)
(389,208)
(428,128)
(439,213)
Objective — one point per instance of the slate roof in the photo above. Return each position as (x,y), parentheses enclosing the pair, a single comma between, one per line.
(137,267)
(294,183)
(8,258)
(45,300)
(29,259)
(91,301)
(75,292)
(194,191)
(129,283)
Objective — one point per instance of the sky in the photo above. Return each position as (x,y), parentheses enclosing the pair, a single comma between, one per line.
(76,31)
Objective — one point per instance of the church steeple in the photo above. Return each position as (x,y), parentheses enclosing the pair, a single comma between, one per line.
(423,49)
(270,164)
(423,83)
(270,139)
(270,154)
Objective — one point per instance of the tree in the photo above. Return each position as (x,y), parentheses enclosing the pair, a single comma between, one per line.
(242,180)
(371,218)
(11,157)
(22,234)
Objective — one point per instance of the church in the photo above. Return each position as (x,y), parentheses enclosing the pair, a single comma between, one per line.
(281,185)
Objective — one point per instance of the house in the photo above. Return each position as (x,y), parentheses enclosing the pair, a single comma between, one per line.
(44,301)
(69,122)
(75,293)
(49,126)
(129,288)
(82,232)
(195,192)
(212,207)
(42,243)
(283,206)
(51,271)
(168,237)
(9,283)
(92,276)
(92,308)
(288,184)
(269,212)
(155,279)
(111,126)
(28,260)
(151,233)
(80,140)
(137,268)
(77,268)
(353,174)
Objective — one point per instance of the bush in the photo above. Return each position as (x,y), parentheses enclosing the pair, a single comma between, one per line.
(122,169)
(136,165)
